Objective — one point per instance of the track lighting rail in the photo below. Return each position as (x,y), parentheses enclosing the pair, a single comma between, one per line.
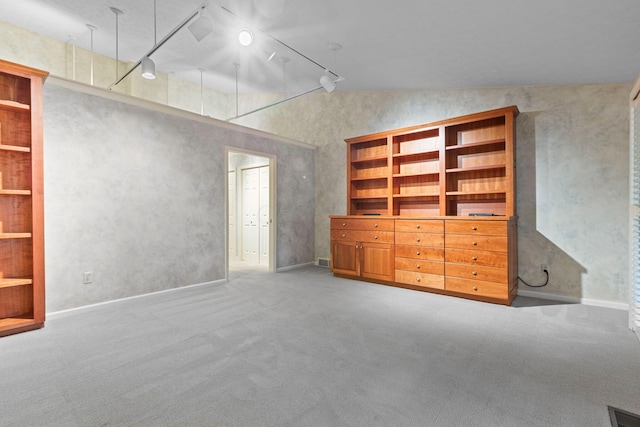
(158,45)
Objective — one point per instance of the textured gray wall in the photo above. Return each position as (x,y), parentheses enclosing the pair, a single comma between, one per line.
(572,169)
(138,198)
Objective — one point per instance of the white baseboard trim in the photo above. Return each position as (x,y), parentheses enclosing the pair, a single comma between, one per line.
(82,307)
(574,300)
(294,267)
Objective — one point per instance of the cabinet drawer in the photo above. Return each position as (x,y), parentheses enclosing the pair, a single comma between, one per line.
(483,243)
(486,258)
(420,225)
(420,239)
(420,266)
(477,272)
(477,287)
(363,236)
(362,224)
(420,279)
(417,252)
(495,228)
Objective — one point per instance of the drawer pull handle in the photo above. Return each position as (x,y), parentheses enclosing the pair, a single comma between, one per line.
(418,253)
(418,279)
(375,237)
(474,258)
(344,235)
(418,266)
(344,224)
(475,273)
(474,243)
(417,226)
(474,228)
(475,288)
(375,225)
(418,239)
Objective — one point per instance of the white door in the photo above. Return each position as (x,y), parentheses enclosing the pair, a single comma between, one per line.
(264,215)
(233,203)
(251,215)
(634,212)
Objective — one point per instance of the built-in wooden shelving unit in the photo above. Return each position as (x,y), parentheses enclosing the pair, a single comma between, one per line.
(21,199)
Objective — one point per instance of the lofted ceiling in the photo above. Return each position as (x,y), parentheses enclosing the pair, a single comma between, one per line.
(406,44)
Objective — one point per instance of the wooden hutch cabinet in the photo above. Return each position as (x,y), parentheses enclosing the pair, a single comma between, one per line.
(433,207)
(21,199)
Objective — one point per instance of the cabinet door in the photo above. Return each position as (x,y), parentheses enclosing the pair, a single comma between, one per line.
(344,257)
(377,261)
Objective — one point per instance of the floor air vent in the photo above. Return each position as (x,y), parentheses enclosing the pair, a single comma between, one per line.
(323,262)
(620,418)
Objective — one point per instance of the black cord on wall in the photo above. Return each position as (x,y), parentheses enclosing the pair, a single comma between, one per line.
(537,286)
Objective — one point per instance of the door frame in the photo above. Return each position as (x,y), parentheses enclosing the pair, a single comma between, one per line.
(273,222)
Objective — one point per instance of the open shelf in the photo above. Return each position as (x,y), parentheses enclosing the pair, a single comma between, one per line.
(474,193)
(15,192)
(13,105)
(4,236)
(369,159)
(409,175)
(369,178)
(476,168)
(10,282)
(477,146)
(15,148)
(437,168)
(421,155)
(21,199)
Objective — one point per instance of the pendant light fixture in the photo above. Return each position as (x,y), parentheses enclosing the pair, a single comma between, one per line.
(147,66)
(328,83)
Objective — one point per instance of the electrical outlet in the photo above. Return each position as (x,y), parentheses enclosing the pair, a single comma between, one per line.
(87,277)
(544,267)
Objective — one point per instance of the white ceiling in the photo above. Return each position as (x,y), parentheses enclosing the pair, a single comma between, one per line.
(406,44)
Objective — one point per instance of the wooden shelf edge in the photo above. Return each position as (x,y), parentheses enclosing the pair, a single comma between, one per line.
(13,105)
(409,175)
(370,159)
(11,282)
(475,193)
(370,178)
(475,144)
(415,196)
(15,192)
(365,198)
(15,236)
(426,153)
(15,148)
(477,168)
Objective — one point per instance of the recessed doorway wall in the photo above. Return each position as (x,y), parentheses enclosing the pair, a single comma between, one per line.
(251,198)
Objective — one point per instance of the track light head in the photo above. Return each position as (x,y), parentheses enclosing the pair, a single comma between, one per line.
(327,83)
(148,68)
(201,27)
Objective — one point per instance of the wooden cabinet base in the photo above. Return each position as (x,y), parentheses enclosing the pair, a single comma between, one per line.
(16,326)
(473,258)
(446,292)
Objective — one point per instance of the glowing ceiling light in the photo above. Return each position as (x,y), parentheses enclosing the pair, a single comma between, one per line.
(245,37)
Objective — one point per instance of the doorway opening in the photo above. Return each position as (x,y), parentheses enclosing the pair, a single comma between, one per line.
(251,212)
